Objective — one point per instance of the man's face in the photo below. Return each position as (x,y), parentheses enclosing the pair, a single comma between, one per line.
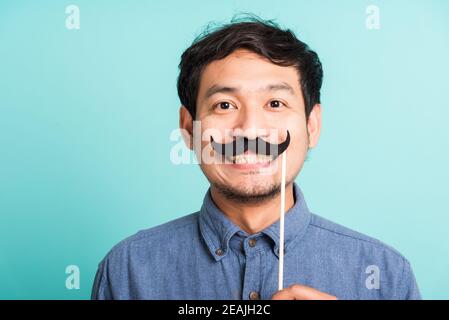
(262,100)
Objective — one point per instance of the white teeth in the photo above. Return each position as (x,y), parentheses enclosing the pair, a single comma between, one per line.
(251,158)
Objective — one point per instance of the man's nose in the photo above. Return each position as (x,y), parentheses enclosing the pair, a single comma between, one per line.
(251,123)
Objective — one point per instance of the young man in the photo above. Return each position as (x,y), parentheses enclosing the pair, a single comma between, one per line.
(234,81)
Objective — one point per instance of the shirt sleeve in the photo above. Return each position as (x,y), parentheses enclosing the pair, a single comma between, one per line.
(100,288)
(410,290)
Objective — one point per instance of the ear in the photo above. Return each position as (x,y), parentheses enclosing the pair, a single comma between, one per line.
(314,125)
(186,126)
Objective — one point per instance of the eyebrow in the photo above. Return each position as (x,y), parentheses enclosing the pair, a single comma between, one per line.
(281,86)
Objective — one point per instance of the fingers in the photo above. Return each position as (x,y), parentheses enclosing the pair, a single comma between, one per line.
(300,292)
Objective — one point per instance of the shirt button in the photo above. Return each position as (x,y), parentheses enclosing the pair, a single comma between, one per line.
(252,242)
(254,295)
(219,252)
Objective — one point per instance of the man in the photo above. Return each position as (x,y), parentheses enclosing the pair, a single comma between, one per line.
(251,81)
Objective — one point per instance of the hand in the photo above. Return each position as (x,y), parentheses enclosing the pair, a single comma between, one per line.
(300,292)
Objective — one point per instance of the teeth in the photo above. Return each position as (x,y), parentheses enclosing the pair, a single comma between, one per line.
(251,158)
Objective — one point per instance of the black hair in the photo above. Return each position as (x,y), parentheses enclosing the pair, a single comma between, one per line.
(263,37)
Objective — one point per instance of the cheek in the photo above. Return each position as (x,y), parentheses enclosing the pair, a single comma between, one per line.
(220,130)
(301,142)
(297,150)
(219,122)
(298,134)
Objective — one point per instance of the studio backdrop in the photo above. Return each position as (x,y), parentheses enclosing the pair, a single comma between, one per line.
(89,107)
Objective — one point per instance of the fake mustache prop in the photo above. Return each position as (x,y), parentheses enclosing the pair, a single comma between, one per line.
(258,146)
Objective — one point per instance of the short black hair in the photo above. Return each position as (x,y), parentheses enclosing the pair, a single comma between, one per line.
(263,37)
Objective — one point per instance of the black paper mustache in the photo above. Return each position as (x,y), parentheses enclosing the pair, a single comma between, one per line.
(259,146)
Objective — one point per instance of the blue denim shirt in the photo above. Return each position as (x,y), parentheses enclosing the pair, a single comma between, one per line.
(206,256)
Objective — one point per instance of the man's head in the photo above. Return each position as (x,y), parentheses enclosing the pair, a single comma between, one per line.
(251,79)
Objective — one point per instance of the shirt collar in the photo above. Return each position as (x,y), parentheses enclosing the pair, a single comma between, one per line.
(217,229)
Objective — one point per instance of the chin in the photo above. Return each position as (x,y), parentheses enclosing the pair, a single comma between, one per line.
(249,191)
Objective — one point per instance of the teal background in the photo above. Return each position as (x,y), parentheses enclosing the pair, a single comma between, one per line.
(80,111)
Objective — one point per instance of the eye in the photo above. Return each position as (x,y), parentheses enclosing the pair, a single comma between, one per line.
(224,105)
(276,104)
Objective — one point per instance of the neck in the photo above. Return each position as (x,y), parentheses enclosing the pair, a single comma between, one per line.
(253,217)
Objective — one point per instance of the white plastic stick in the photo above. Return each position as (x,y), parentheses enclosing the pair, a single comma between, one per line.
(281,231)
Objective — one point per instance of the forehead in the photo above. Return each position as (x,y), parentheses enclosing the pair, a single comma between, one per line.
(248,71)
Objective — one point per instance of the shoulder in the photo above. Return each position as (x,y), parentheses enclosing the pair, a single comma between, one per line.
(130,259)
(345,249)
(178,230)
(339,235)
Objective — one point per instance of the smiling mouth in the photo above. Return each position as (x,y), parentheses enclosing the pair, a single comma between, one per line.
(251,158)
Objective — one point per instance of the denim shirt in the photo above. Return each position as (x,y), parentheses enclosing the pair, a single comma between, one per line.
(206,256)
